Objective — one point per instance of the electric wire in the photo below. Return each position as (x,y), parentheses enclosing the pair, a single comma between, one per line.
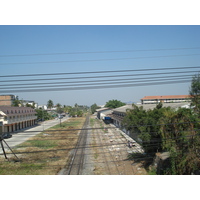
(97,60)
(104,83)
(105,71)
(97,52)
(94,81)
(148,144)
(195,133)
(97,87)
(103,128)
(105,76)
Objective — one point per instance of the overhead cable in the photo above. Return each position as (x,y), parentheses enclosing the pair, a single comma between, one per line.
(95,60)
(105,71)
(95,87)
(101,83)
(93,81)
(104,76)
(97,52)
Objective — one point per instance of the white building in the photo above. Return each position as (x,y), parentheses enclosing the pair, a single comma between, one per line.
(166,99)
(16,118)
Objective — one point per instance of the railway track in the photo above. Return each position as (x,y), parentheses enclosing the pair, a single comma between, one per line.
(100,152)
(112,152)
(77,159)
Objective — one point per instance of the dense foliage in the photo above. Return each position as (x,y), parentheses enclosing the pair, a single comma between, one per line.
(43,115)
(77,110)
(168,130)
(114,104)
(93,108)
(195,93)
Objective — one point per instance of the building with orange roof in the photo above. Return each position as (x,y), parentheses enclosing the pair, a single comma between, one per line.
(166,99)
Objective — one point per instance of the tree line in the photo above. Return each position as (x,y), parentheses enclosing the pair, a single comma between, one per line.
(164,129)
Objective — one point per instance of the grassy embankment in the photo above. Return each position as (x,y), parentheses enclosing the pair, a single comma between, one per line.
(45,153)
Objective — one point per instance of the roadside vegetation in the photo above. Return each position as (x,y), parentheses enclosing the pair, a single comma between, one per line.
(168,130)
(44,154)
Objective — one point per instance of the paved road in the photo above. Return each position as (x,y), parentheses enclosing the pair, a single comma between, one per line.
(19,137)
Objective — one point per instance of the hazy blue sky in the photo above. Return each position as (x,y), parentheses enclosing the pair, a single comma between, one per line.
(16,40)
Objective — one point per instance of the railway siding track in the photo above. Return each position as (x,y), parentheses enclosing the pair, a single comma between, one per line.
(112,151)
(76,164)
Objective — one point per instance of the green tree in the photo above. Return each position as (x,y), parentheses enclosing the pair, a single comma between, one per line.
(16,102)
(180,137)
(114,104)
(94,107)
(195,93)
(143,124)
(67,109)
(50,104)
(79,113)
(58,105)
(42,114)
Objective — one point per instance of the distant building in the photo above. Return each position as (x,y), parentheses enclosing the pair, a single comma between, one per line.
(31,103)
(166,99)
(16,118)
(103,112)
(7,100)
(44,107)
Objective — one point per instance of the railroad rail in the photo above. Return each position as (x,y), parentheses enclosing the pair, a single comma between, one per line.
(77,160)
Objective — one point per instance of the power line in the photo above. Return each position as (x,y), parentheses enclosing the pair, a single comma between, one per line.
(100,52)
(155,140)
(155,143)
(95,60)
(102,128)
(111,71)
(104,83)
(97,87)
(93,81)
(105,76)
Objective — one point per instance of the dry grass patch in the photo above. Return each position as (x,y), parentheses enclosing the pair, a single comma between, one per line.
(46,153)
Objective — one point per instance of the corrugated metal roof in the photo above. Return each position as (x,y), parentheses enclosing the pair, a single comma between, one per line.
(123,108)
(101,109)
(152,106)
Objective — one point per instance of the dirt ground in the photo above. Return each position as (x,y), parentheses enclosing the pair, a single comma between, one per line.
(108,152)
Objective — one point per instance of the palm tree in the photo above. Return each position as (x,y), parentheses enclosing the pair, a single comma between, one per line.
(58,105)
(50,104)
